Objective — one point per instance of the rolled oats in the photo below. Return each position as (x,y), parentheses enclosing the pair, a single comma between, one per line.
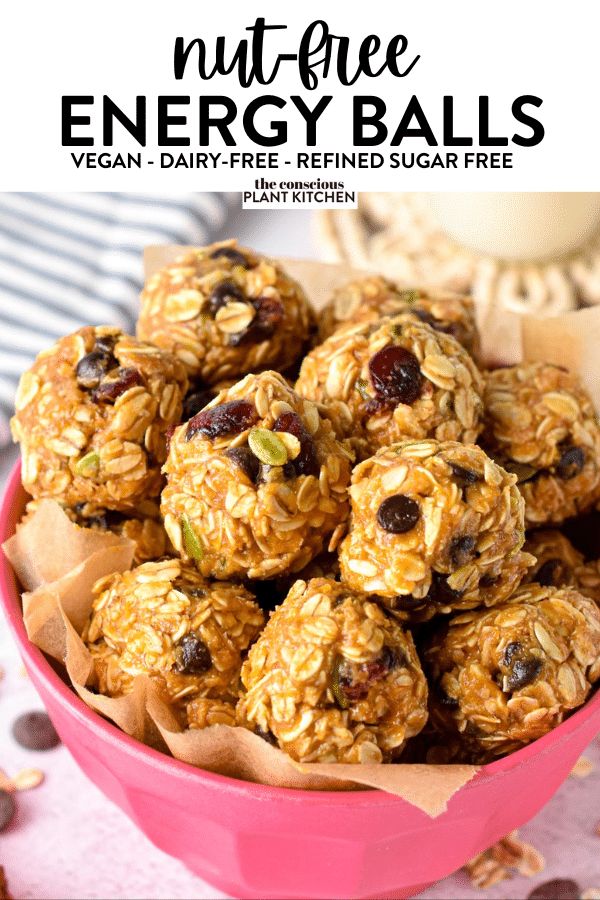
(256,489)
(224,311)
(162,619)
(123,395)
(434,527)
(333,678)
(392,379)
(541,424)
(501,678)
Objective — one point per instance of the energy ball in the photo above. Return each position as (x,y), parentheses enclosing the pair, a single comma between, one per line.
(333,678)
(224,311)
(163,620)
(257,483)
(434,527)
(372,298)
(386,381)
(502,678)
(91,416)
(540,423)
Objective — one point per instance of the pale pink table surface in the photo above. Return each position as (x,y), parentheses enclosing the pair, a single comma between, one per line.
(68,841)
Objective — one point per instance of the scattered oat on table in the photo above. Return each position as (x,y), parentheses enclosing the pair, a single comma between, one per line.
(504,859)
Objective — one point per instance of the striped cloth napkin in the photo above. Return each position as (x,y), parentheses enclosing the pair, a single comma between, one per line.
(68,260)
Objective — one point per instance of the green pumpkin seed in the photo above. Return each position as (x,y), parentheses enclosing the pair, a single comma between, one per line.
(88,465)
(362,386)
(191,542)
(336,688)
(267,447)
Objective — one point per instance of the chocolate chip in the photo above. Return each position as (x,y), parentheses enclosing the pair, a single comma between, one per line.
(92,368)
(7,809)
(267,473)
(398,514)
(463,477)
(552,573)
(571,463)
(462,549)
(35,731)
(234,256)
(192,656)
(396,375)
(227,418)
(195,401)
(440,591)
(557,889)
(245,459)
(112,388)
(444,698)
(406,602)
(222,293)
(524,671)
(106,342)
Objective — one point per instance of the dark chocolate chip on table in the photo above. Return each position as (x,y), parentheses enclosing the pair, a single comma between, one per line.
(557,889)
(35,731)
(7,809)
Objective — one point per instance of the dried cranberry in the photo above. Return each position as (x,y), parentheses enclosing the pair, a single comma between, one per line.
(398,514)
(106,342)
(463,477)
(222,293)
(523,672)
(227,418)
(245,459)
(269,314)
(168,435)
(387,660)
(571,463)
(395,374)
(461,549)
(108,391)
(306,463)
(92,368)
(552,573)
(234,256)
(195,401)
(192,656)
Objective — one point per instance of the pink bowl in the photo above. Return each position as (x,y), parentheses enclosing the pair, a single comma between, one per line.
(256,841)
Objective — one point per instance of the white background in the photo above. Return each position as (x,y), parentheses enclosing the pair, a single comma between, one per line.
(467,48)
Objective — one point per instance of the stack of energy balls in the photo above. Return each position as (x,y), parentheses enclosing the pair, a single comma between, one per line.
(394,507)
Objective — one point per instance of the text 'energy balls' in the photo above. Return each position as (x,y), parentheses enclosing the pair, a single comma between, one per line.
(434,527)
(389,380)
(501,678)
(163,620)
(225,311)
(541,424)
(333,678)
(257,483)
(91,416)
(372,298)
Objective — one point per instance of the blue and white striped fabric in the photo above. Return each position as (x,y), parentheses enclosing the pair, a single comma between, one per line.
(72,259)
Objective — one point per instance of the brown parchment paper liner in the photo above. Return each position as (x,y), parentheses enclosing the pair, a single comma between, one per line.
(58,562)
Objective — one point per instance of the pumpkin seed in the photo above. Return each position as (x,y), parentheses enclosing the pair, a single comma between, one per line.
(268,447)
(88,465)
(191,542)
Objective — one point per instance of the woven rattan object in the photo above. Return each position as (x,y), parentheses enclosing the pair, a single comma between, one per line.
(398,236)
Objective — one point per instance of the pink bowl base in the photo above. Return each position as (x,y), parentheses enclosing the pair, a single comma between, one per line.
(255,841)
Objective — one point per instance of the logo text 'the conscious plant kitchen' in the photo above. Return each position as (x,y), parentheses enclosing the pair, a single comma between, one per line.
(321,57)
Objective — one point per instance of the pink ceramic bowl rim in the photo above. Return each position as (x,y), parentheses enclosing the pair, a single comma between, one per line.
(122,742)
